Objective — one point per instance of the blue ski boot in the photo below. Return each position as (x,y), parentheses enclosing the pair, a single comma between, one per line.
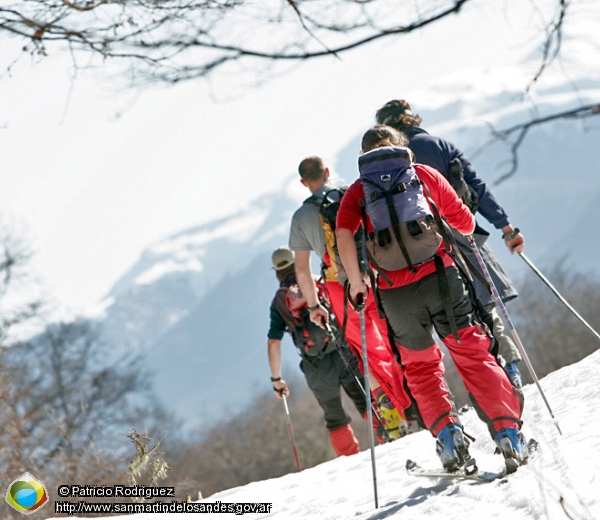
(451,447)
(514,373)
(512,445)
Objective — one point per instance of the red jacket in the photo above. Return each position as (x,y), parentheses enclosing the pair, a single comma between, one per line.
(448,203)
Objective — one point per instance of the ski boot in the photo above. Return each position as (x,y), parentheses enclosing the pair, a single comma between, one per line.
(512,445)
(394,424)
(514,373)
(452,449)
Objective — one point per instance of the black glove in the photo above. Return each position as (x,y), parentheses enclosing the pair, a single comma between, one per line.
(358,305)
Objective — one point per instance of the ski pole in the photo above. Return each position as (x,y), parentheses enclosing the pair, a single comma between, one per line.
(508,321)
(545,280)
(347,363)
(360,307)
(289,425)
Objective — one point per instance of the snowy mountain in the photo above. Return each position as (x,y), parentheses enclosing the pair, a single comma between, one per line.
(196,304)
(173,276)
(560,480)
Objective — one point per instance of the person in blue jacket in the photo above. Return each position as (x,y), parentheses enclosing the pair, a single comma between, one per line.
(452,163)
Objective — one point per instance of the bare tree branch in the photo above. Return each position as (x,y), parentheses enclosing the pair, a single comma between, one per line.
(552,44)
(172,40)
(86,6)
(295,7)
(516,134)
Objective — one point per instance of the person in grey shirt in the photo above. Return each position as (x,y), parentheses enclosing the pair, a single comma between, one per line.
(306,235)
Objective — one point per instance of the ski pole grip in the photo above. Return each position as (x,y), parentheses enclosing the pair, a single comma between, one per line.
(359,305)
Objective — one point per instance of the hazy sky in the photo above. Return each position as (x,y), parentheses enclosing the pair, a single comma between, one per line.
(91,174)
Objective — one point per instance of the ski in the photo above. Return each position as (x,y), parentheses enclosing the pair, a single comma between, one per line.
(414,470)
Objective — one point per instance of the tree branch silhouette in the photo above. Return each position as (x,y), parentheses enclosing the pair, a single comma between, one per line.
(516,134)
(172,41)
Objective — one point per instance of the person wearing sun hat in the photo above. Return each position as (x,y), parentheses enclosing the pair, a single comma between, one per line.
(322,364)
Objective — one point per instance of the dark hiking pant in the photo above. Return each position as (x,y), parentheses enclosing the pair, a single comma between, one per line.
(413,311)
(326,376)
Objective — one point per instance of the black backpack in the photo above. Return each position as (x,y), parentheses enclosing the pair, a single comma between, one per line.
(456,177)
(328,208)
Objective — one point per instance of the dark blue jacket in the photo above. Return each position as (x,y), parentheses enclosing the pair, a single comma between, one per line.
(437,152)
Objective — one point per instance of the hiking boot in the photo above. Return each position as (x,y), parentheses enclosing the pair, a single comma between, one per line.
(394,423)
(512,445)
(514,373)
(451,447)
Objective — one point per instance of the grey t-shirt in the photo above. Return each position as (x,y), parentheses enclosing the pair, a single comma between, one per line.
(306,232)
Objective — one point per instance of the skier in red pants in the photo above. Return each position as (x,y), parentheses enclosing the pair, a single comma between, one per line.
(381,362)
(421,288)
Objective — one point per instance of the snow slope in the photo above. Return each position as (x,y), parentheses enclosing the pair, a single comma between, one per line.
(560,482)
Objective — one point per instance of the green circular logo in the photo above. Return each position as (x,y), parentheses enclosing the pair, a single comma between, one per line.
(26,494)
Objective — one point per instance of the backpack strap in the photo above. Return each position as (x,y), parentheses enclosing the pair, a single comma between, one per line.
(444,286)
(389,194)
(313,199)
(467,270)
(456,177)
(345,308)
(438,219)
(465,265)
(375,288)
(399,188)
(380,271)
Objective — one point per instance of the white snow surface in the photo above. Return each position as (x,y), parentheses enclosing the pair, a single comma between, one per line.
(561,480)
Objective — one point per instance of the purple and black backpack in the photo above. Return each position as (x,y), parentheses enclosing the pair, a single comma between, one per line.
(406,232)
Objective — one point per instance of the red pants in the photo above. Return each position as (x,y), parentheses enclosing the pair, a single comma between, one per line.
(382,364)
(497,401)
(413,311)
